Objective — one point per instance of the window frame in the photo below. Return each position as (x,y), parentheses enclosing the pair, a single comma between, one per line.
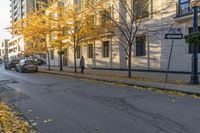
(142,46)
(188,9)
(52,54)
(138,13)
(90,51)
(105,17)
(105,49)
(78,52)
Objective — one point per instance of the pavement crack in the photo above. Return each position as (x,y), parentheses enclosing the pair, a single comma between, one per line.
(120,104)
(10,95)
(49,88)
(8,81)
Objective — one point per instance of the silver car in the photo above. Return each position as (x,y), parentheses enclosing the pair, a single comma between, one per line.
(27,66)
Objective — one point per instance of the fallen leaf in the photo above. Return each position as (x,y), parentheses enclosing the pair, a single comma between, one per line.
(49,120)
(173,101)
(37,118)
(45,121)
(34,124)
(29,111)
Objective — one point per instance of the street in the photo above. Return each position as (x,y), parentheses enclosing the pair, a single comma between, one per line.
(56,104)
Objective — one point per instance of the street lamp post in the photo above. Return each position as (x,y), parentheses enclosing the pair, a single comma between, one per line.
(194,77)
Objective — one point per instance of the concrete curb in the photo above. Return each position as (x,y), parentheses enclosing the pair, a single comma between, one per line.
(190,90)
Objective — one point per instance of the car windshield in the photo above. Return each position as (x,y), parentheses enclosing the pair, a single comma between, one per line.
(30,62)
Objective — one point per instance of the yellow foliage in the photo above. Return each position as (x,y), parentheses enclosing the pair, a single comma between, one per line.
(10,121)
(59,25)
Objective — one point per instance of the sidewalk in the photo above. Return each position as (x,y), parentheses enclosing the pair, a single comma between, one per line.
(177,82)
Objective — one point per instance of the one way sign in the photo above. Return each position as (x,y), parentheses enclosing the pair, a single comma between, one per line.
(173,36)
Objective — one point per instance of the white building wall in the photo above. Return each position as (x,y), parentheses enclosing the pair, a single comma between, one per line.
(157,47)
(16,47)
(55,60)
(3,49)
(98,61)
(181,59)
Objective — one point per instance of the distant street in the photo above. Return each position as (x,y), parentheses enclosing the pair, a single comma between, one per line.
(56,104)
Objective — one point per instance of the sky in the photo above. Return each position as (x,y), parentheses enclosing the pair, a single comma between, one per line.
(4,19)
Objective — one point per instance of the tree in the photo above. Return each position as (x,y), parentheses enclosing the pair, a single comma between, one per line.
(80,26)
(128,18)
(56,26)
(58,18)
(34,28)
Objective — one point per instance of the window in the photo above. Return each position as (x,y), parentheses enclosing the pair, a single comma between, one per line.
(105,22)
(191,46)
(91,21)
(184,6)
(105,17)
(141,8)
(141,45)
(52,54)
(106,49)
(79,5)
(78,52)
(90,51)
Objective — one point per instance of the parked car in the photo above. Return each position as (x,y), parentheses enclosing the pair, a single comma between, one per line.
(27,66)
(11,64)
(39,61)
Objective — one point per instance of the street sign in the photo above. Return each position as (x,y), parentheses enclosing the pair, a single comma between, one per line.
(173,36)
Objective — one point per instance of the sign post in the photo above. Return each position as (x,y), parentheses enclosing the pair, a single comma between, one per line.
(169,62)
(174,33)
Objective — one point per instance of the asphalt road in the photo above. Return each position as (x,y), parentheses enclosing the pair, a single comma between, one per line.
(56,104)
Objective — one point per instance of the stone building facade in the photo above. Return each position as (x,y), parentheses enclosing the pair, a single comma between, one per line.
(151,51)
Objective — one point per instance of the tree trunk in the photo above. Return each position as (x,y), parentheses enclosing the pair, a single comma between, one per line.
(61,62)
(129,62)
(75,69)
(48,58)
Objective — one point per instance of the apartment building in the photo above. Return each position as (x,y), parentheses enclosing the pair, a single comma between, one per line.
(4,50)
(16,48)
(151,50)
(19,9)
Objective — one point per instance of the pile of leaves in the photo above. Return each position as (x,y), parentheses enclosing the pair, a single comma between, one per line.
(11,122)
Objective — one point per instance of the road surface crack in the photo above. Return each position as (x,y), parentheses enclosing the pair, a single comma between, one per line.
(121,104)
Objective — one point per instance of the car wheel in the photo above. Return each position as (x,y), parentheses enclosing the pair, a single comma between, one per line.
(21,70)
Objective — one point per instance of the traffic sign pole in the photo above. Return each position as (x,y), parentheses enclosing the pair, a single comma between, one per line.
(173,35)
(169,62)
